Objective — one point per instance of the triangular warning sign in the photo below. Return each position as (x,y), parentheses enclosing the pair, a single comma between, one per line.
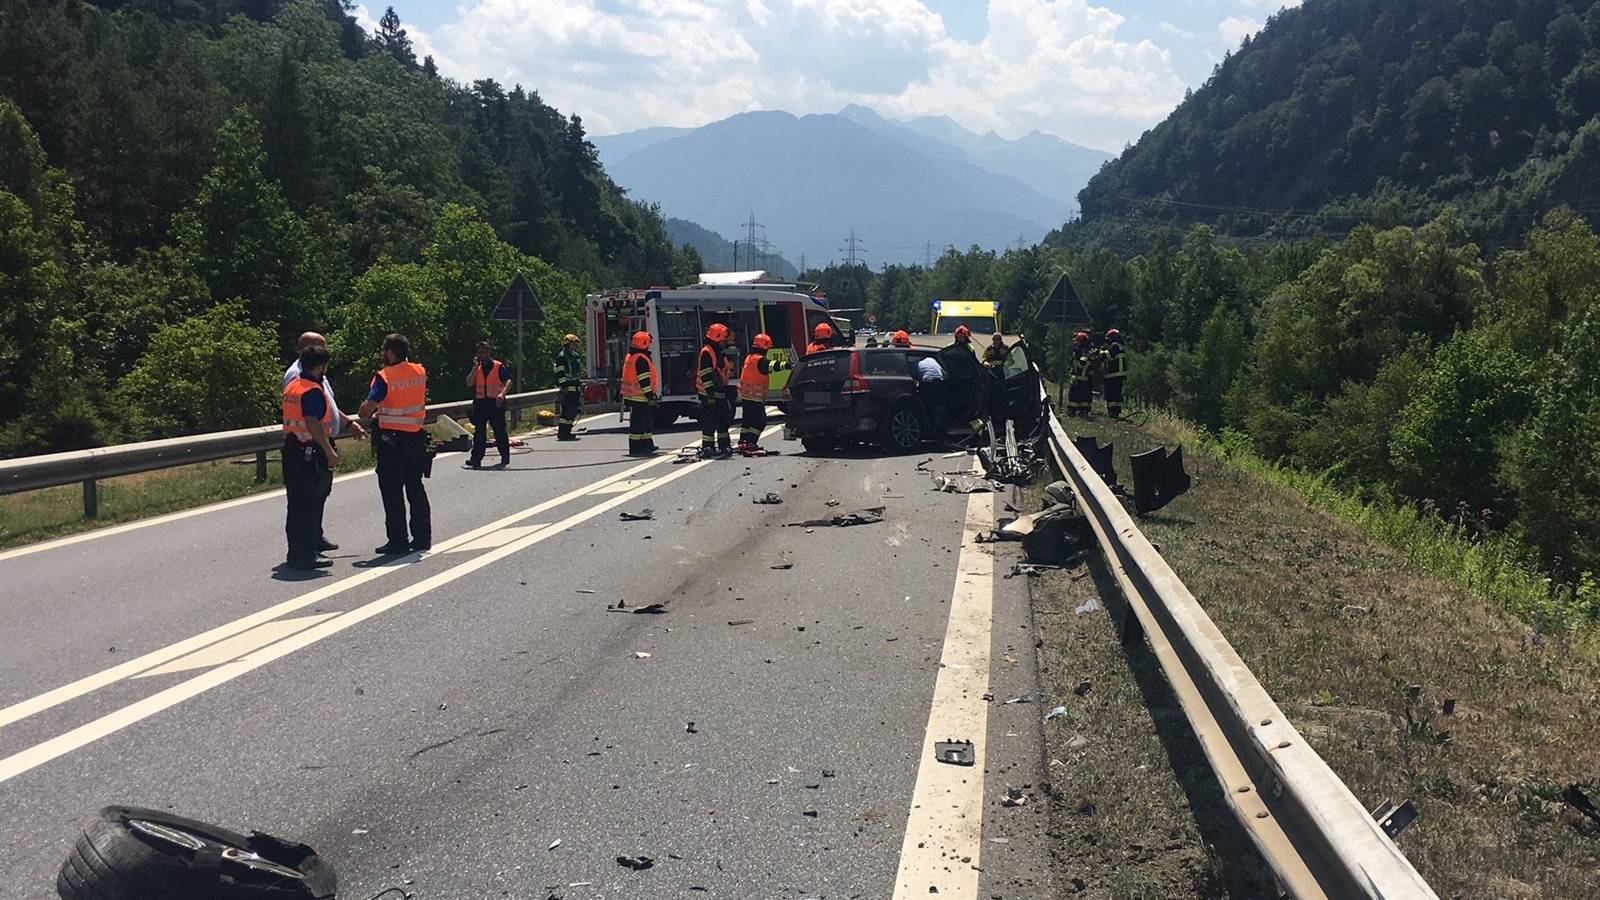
(1062,305)
(519,298)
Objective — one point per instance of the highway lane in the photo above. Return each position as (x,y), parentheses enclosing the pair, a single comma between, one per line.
(478,706)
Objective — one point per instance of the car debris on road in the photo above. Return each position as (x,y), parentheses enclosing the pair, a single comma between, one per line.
(869,516)
(643,515)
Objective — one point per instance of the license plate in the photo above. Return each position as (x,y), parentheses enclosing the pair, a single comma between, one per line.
(817,398)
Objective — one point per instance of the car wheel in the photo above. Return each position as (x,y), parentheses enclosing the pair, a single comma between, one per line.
(816,445)
(902,430)
(128,853)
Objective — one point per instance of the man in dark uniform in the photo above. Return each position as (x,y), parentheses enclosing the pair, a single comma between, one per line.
(308,458)
(713,377)
(569,379)
(1080,393)
(399,397)
(1114,368)
(490,381)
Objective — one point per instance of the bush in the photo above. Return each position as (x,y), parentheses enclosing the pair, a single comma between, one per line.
(211,372)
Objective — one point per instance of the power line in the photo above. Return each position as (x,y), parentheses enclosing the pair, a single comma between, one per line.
(852,249)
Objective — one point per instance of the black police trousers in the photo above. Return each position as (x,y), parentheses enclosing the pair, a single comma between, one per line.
(402,456)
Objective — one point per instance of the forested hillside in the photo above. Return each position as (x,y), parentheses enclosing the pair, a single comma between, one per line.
(188,185)
(1345,111)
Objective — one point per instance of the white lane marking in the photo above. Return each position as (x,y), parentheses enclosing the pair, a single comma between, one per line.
(238,645)
(944,833)
(25,708)
(39,754)
(620,487)
(126,527)
(505,535)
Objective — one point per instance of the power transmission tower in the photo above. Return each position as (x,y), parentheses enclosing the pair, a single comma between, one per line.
(853,249)
(802,264)
(927,255)
(750,240)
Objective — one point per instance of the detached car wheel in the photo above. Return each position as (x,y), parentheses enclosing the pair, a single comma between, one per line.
(815,445)
(129,853)
(902,430)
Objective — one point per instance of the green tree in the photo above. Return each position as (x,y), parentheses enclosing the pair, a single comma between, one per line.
(392,297)
(212,371)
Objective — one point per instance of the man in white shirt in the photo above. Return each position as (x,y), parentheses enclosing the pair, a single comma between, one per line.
(930,384)
(340,420)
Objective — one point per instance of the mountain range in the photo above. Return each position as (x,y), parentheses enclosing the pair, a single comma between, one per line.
(904,187)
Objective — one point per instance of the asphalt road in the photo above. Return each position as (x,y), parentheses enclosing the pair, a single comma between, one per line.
(435,723)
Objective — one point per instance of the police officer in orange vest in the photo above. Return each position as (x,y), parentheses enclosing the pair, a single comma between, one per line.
(399,396)
(639,393)
(821,338)
(308,459)
(713,377)
(754,380)
(490,381)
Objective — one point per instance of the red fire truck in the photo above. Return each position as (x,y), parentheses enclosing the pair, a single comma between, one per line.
(677,319)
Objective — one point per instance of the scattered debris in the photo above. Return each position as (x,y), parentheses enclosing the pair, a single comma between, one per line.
(1056,713)
(1031,569)
(621,604)
(1023,699)
(955,455)
(829,773)
(1083,688)
(690,729)
(955,753)
(831,503)
(1059,491)
(650,610)
(1014,797)
(768,499)
(585,591)
(643,515)
(810,814)
(1450,706)
(636,863)
(964,484)
(1091,605)
(782,566)
(640,654)
(741,621)
(869,516)
(554,844)
(923,466)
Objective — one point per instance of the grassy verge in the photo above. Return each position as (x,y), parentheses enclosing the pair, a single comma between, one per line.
(1410,684)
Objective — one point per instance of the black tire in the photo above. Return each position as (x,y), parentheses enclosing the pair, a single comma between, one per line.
(129,853)
(902,430)
(816,445)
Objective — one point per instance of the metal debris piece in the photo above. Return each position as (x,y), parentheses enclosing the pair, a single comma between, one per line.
(1023,699)
(741,621)
(831,503)
(1014,797)
(869,516)
(768,499)
(923,466)
(810,814)
(1394,819)
(955,753)
(554,844)
(1091,605)
(690,729)
(585,591)
(643,515)
(1056,713)
(1059,491)
(650,610)
(636,863)
(1031,569)
(963,484)
(782,566)
(640,654)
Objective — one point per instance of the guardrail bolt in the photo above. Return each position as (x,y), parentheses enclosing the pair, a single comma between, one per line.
(91,498)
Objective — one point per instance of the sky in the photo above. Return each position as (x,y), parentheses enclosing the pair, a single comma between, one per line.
(1095,72)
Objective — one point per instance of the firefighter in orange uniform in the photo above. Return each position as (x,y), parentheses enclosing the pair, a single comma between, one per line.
(399,396)
(713,376)
(821,338)
(754,380)
(639,392)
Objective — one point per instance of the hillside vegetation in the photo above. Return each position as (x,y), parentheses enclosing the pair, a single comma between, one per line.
(188,185)
(1345,111)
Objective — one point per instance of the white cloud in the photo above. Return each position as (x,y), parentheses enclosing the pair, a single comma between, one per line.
(1055,65)
(1233,29)
(1166,27)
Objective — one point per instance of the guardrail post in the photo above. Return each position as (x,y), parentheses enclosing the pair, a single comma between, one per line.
(261,466)
(91,498)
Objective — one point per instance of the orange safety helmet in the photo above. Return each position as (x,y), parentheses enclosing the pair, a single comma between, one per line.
(823,332)
(641,340)
(762,342)
(901,339)
(1081,337)
(718,332)
(963,332)
(1113,335)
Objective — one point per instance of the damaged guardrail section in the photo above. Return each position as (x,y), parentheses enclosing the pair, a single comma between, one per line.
(1312,831)
(30,473)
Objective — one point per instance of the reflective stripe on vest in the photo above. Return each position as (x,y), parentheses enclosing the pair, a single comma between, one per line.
(634,388)
(716,371)
(484,388)
(404,406)
(1117,364)
(1082,367)
(753,382)
(293,421)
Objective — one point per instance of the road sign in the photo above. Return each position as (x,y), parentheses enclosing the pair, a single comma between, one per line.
(519,303)
(872,320)
(1062,305)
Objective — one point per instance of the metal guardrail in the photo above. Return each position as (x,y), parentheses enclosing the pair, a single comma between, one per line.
(1313,832)
(30,473)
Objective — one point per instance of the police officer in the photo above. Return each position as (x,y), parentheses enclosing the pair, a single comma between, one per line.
(639,394)
(821,338)
(569,379)
(754,379)
(341,422)
(714,375)
(399,396)
(1114,366)
(1080,393)
(308,458)
(490,381)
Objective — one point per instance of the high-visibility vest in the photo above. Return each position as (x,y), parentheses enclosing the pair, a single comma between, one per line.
(484,388)
(816,347)
(636,387)
(715,371)
(404,406)
(293,418)
(1116,362)
(753,378)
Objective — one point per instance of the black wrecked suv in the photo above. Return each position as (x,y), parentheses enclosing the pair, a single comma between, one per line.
(870,395)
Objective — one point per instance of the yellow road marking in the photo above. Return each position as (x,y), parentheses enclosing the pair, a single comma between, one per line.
(944,833)
(39,754)
(238,645)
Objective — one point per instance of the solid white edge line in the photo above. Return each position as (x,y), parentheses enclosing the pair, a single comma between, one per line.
(941,853)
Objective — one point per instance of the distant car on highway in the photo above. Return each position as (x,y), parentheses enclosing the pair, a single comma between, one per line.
(870,395)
